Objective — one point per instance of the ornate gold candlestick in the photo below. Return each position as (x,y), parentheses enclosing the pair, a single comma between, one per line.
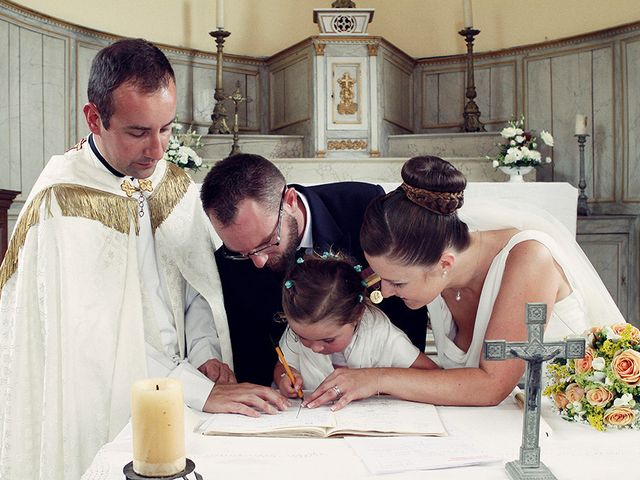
(219,115)
(471,114)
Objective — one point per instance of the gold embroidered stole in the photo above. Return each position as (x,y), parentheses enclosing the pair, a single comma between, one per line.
(113,211)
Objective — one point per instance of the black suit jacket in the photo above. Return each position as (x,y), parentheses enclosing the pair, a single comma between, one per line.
(252,296)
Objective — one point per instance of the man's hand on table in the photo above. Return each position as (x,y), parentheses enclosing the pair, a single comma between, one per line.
(246,399)
(218,371)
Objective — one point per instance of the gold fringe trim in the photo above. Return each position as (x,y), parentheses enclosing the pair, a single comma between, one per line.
(111,210)
(167,194)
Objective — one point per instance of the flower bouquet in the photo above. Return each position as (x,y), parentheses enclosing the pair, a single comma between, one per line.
(520,148)
(603,388)
(181,148)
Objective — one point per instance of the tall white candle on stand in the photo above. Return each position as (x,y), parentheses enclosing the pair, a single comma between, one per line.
(468,13)
(581,124)
(157,422)
(220,14)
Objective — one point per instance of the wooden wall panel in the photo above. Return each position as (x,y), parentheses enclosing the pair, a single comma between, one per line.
(631,157)
(602,177)
(31,105)
(5,83)
(397,94)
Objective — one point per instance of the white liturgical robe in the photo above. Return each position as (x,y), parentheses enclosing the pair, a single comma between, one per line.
(82,316)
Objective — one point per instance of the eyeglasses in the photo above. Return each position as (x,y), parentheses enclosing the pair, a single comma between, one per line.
(258,250)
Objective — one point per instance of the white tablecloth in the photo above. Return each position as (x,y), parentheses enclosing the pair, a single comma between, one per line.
(573,451)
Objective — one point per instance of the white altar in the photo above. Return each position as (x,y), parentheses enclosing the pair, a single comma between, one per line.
(572,451)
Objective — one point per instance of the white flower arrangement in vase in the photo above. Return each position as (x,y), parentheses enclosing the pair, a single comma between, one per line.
(520,149)
(182,146)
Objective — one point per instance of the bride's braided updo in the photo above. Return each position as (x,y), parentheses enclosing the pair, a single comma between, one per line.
(415,223)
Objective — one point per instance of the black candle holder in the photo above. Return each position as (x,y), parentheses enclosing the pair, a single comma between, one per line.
(471,113)
(189,468)
(583,207)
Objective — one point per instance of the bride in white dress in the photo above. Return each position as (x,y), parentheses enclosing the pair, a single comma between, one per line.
(476,267)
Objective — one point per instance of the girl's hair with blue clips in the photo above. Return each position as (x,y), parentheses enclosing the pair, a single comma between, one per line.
(324,287)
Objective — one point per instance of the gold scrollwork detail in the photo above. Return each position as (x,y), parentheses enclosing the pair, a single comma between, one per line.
(347,85)
(319,48)
(346,144)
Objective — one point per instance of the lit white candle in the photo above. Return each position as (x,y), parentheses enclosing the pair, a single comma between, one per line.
(468,13)
(220,13)
(581,124)
(157,422)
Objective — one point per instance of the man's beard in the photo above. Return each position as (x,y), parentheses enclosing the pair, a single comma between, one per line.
(283,261)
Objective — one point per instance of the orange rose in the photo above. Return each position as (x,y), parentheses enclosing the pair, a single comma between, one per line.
(619,328)
(599,396)
(574,392)
(619,416)
(583,365)
(626,366)
(560,399)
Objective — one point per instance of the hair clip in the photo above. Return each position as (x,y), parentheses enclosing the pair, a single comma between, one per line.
(325,255)
(288,284)
(364,283)
(299,260)
(360,298)
(357,268)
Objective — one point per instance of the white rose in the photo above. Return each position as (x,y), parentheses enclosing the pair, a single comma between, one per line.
(535,155)
(513,155)
(598,377)
(623,401)
(512,143)
(611,335)
(189,152)
(495,164)
(519,131)
(547,160)
(598,363)
(508,132)
(577,407)
(520,139)
(183,158)
(546,138)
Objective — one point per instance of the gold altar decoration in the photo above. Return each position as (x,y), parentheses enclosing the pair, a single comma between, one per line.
(347,144)
(347,106)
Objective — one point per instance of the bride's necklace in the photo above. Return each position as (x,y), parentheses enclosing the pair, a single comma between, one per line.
(458,296)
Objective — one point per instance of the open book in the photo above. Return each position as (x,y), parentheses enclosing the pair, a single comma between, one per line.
(375,416)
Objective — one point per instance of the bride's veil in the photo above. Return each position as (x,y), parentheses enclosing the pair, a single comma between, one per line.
(482,215)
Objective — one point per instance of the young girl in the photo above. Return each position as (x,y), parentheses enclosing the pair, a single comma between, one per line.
(332,325)
(476,270)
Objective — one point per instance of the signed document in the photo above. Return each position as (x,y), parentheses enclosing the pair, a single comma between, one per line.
(375,416)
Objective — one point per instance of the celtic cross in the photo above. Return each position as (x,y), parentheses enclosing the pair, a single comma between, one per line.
(534,351)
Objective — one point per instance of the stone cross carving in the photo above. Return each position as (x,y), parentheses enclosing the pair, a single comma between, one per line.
(534,351)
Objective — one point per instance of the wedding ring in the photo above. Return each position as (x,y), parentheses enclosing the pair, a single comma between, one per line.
(338,392)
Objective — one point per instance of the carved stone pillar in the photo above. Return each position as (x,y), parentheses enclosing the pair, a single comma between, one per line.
(6,198)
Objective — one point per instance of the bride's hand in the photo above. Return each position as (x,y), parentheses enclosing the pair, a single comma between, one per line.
(343,386)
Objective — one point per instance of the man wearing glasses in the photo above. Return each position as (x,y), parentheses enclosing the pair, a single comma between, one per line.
(263,223)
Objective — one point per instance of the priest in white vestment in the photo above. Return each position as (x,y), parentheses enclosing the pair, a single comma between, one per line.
(109,277)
